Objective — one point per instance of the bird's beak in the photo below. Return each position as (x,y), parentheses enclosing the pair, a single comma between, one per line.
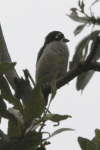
(65,40)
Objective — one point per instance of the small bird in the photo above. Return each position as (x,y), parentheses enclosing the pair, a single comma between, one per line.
(52,57)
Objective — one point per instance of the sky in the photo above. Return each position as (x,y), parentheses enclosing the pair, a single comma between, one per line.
(25,23)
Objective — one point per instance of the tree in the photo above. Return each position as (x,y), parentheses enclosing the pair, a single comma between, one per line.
(30,115)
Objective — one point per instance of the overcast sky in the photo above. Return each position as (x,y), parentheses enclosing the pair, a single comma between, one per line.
(25,24)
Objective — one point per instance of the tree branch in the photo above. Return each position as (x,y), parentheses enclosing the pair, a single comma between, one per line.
(70,75)
(4,56)
(21,86)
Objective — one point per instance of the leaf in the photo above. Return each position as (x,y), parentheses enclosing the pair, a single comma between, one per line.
(78,56)
(1,42)
(36,103)
(59,131)
(3,106)
(74,15)
(2,142)
(17,114)
(83,79)
(7,95)
(14,131)
(56,117)
(91,146)
(6,67)
(97,54)
(8,145)
(4,113)
(53,85)
(98,146)
(97,133)
(80,19)
(74,12)
(81,5)
(27,143)
(3,136)
(32,128)
(83,142)
(79,29)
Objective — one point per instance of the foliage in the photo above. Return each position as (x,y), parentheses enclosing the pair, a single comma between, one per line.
(25,124)
(81,53)
(86,144)
(82,49)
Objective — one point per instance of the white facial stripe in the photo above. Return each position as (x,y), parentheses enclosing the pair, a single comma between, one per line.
(57,36)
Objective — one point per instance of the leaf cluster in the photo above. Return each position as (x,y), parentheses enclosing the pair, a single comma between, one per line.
(86,144)
(25,123)
(84,47)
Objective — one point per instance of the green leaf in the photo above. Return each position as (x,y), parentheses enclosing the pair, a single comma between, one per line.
(56,117)
(79,29)
(83,79)
(83,142)
(79,19)
(98,146)
(14,131)
(2,142)
(1,42)
(3,136)
(53,85)
(83,44)
(4,113)
(36,103)
(7,95)
(97,53)
(17,114)
(6,67)
(91,146)
(8,145)
(97,132)
(59,131)
(30,142)
(3,106)
(81,5)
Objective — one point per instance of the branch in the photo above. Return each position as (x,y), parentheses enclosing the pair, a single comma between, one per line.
(21,86)
(4,56)
(70,75)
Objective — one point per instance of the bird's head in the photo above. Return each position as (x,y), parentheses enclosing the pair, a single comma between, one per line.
(55,36)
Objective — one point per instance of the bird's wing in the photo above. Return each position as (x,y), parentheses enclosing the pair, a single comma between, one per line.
(40,53)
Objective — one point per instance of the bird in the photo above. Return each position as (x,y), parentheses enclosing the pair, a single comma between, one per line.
(52,57)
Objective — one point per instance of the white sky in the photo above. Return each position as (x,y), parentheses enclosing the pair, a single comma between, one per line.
(25,24)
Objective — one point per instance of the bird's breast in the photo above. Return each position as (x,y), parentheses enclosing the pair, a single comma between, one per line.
(54,58)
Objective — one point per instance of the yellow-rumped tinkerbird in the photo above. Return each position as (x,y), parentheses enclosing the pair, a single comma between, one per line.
(53,56)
